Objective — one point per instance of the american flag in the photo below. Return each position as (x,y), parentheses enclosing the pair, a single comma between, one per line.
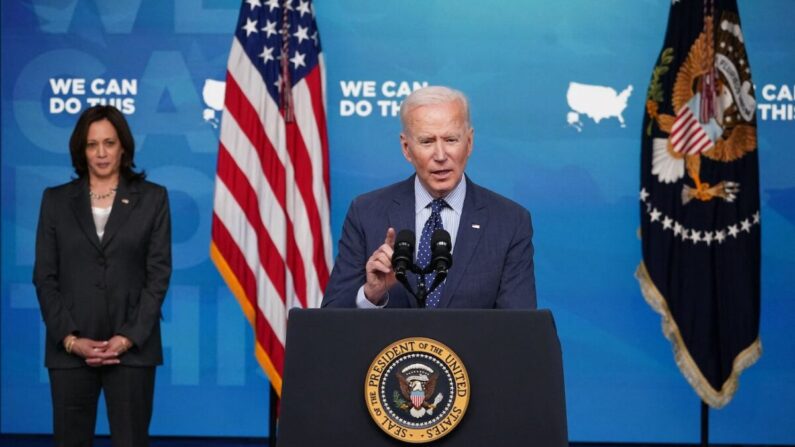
(270,230)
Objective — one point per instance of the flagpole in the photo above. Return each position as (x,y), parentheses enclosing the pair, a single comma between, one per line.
(704,424)
(273,417)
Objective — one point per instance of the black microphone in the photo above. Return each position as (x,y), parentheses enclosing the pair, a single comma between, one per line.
(403,254)
(441,258)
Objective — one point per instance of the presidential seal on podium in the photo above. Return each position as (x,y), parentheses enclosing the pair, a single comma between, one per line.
(417,390)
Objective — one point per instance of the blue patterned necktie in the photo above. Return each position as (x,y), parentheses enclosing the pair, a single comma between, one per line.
(424,252)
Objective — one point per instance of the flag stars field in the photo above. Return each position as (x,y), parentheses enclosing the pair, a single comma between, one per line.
(696,236)
(304,8)
(266,55)
(301,34)
(250,27)
(298,60)
(269,29)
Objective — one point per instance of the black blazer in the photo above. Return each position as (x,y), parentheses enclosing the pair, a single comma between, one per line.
(99,289)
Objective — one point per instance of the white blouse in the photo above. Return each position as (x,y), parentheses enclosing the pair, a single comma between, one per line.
(100,219)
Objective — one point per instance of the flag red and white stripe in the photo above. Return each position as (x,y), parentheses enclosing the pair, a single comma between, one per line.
(270,230)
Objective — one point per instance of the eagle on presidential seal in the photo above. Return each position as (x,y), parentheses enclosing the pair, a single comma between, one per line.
(715,112)
(417,385)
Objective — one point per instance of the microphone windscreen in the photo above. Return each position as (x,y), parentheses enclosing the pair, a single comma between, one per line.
(441,248)
(403,254)
(440,240)
(405,239)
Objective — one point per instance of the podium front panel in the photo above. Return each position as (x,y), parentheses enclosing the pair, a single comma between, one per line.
(513,360)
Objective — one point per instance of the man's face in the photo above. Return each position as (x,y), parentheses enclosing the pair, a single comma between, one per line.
(437,141)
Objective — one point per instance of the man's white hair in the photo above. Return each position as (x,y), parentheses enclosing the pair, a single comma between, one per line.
(431,95)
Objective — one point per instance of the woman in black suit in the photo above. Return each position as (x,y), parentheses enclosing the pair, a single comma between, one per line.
(103,263)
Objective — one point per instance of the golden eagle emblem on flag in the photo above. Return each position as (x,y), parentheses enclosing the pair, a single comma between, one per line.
(714,102)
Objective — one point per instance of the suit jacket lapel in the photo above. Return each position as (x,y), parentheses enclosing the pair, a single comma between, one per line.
(123,204)
(81,206)
(402,217)
(401,214)
(475,213)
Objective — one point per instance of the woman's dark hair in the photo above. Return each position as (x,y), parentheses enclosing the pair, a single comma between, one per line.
(79,140)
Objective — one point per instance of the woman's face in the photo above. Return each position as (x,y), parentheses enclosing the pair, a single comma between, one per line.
(103,151)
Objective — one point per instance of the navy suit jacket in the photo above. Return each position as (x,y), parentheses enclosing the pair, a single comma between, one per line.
(492,257)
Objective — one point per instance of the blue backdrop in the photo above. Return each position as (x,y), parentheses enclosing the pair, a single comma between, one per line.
(516,59)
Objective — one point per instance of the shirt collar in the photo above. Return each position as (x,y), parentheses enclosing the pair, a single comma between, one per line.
(455,199)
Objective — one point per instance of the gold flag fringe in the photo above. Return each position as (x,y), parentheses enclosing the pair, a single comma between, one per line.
(688,367)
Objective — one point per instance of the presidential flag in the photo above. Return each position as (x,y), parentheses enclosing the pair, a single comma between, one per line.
(270,229)
(699,198)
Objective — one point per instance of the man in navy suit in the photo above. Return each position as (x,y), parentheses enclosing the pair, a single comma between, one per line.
(491,235)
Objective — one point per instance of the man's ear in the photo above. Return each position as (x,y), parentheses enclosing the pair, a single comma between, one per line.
(471,142)
(404,146)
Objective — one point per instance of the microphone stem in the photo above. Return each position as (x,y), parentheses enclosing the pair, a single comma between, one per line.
(422,292)
(438,280)
(405,281)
